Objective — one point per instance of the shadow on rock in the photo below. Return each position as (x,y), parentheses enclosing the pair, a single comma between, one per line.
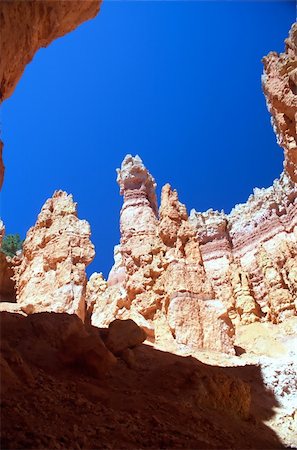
(62,388)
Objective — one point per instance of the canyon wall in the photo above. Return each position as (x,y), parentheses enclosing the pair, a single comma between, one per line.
(280,88)
(26,26)
(159,279)
(190,280)
(187,280)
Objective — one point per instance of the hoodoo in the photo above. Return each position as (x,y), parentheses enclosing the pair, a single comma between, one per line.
(191,341)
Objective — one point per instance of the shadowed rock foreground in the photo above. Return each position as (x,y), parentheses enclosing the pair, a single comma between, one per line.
(57,394)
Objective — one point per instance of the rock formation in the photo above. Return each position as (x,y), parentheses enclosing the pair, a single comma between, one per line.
(7,284)
(250,255)
(7,287)
(158,278)
(201,285)
(280,88)
(29,25)
(56,251)
(189,281)
(183,278)
(58,378)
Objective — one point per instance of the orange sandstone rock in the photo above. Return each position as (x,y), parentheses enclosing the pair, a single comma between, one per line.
(56,251)
(280,87)
(7,283)
(25,27)
(33,24)
(158,279)
(187,281)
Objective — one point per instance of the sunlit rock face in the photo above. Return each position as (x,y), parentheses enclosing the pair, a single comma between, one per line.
(7,283)
(250,255)
(30,25)
(26,26)
(280,88)
(56,251)
(158,278)
(188,281)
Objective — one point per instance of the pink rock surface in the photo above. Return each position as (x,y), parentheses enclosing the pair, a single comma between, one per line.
(280,88)
(158,279)
(56,251)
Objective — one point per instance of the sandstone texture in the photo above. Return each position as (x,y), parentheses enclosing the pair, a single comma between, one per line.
(123,334)
(250,255)
(7,264)
(56,251)
(158,279)
(7,284)
(280,88)
(25,27)
(213,295)
(190,280)
(2,231)
(28,26)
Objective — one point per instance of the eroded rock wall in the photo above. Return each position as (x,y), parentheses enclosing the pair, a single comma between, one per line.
(56,251)
(26,26)
(250,255)
(280,88)
(189,280)
(158,278)
(7,283)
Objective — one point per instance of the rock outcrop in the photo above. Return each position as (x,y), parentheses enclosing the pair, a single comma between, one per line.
(158,278)
(250,255)
(197,285)
(124,334)
(62,368)
(188,281)
(56,251)
(280,88)
(7,286)
(2,231)
(26,26)
(7,283)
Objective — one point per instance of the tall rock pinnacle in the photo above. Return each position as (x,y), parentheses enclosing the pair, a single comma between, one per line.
(56,251)
(158,278)
(136,184)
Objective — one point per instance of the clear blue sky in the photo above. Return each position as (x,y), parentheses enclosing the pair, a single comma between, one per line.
(176,82)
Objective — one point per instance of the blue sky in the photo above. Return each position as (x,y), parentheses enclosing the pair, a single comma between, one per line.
(176,82)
